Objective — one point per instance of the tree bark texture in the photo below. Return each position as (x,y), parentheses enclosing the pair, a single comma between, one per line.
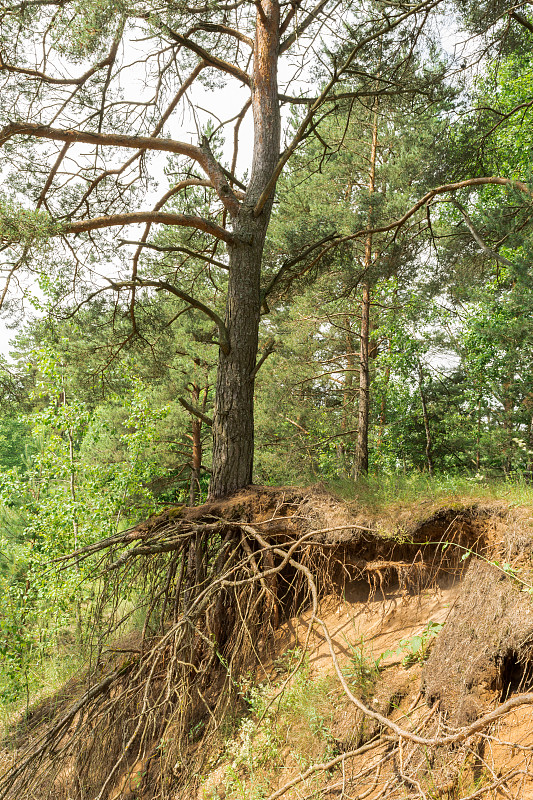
(429,443)
(233,428)
(196,460)
(361,453)
(347,396)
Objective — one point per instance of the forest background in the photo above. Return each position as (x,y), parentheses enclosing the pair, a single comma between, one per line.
(389,354)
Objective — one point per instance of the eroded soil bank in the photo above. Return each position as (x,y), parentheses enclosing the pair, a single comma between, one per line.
(297,646)
(431,621)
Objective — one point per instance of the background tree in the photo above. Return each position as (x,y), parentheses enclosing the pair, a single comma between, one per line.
(327,188)
(93,433)
(64,68)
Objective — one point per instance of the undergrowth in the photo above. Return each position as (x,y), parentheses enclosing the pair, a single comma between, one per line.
(292,723)
(293,729)
(380,490)
(364,668)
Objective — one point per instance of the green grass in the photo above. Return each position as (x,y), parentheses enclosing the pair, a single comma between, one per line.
(43,676)
(378,491)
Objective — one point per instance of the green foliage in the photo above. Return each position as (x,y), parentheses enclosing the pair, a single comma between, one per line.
(14,436)
(295,727)
(415,649)
(92,435)
(60,501)
(364,667)
(24,226)
(444,306)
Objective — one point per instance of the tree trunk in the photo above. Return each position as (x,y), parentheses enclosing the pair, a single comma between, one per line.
(233,426)
(429,443)
(347,398)
(361,453)
(530,452)
(478,435)
(196,460)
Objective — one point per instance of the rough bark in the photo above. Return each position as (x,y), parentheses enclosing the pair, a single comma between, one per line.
(347,398)
(196,460)
(429,443)
(233,428)
(530,451)
(361,453)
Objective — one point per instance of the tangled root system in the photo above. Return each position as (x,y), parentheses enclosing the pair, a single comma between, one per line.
(212,585)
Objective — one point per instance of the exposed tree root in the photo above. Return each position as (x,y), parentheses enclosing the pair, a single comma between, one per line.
(213,585)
